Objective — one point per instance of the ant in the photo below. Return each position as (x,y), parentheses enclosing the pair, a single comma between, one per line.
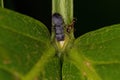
(71,26)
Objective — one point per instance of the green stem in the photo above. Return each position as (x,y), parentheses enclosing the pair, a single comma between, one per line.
(1,3)
(65,8)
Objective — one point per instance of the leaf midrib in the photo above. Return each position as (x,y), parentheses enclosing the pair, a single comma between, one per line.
(39,66)
(79,60)
(81,63)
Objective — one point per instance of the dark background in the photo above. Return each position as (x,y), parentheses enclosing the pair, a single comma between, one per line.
(90,14)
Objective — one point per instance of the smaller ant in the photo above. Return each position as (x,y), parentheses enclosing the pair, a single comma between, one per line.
(71,26)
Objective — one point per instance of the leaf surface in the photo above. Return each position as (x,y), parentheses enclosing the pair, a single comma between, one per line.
(25,47)
(96,55)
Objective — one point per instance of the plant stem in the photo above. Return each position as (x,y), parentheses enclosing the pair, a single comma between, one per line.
(1,3)
(65,8)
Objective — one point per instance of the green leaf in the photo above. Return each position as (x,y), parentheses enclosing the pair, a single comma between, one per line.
(96,55)
(25,47)
(26,52)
